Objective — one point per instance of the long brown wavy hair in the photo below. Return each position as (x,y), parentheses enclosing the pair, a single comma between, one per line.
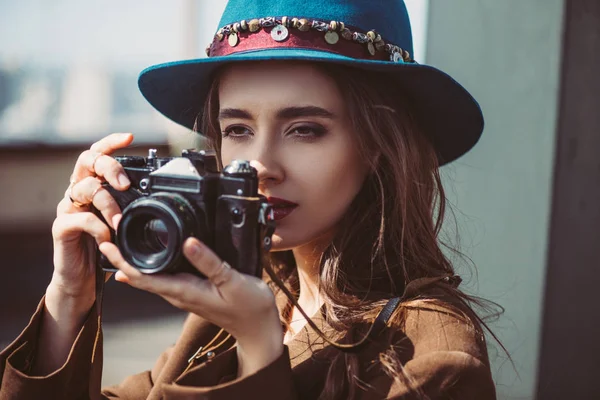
(388,237)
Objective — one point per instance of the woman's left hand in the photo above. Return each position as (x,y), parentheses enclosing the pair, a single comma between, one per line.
(241,304)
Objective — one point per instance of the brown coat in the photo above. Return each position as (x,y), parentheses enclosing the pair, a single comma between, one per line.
(442,355)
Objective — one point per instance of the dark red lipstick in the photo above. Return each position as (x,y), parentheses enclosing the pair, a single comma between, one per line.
(281,207)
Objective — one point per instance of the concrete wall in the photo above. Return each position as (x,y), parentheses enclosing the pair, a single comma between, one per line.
(507,54)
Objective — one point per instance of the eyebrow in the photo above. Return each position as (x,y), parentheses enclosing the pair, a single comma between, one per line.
(284,113)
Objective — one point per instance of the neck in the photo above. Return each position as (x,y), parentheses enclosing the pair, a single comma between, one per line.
(307,262)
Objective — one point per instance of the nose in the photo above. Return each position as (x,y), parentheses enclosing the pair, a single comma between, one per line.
(265,157)
(265,154)
(270,173)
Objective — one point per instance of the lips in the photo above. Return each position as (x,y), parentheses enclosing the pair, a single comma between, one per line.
(281,207)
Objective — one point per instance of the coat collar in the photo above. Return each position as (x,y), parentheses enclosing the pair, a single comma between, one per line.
(307,341)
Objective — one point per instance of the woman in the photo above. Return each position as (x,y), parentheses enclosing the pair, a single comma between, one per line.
(347,133)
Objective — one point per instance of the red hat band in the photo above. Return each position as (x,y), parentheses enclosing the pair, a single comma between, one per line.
(302,33)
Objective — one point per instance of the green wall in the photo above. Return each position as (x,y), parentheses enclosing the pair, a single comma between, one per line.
(507,53)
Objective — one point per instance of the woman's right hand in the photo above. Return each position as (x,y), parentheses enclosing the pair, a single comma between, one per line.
(77,230)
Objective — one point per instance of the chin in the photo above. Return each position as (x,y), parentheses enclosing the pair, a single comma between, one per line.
(279,244)
(282,240)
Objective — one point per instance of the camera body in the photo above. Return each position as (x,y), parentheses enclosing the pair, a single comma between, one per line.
(173,198)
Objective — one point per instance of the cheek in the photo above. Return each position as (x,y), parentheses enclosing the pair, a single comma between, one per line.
(326,179)
(341,166)
(336,182)
(227,152)
(333,180)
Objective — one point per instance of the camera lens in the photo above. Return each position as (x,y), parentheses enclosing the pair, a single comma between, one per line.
(152,231)
(156,234)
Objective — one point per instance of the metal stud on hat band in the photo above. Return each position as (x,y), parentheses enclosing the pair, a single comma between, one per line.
(292,32)
(279,33)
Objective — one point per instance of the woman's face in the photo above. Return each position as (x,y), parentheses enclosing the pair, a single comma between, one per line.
(292,123)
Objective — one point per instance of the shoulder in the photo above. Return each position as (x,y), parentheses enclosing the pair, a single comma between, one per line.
(439,325)
(442,350)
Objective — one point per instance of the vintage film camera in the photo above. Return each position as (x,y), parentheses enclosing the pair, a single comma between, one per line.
(173,198)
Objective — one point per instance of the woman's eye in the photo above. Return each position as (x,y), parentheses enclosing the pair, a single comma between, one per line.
(236,132)
(308,131)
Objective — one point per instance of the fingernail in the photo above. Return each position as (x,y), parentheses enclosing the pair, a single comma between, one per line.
(194,249)
(123,180)
(121,277)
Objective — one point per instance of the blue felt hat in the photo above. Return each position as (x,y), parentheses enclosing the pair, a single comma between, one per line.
(372,35)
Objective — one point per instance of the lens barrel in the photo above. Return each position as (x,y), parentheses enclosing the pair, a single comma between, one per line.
(152,231)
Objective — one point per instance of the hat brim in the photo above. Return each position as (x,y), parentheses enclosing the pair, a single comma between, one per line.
(443,108)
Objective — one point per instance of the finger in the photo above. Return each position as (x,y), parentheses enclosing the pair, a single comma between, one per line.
(107,205)
(112,253)
(185,288)
(109,144)
(121,277)
(91,190)
(115,221)
(66,206)
(85,165)
(70,226)
(208,263)
(112,171)
(91,163)
(87,192)
(83,191)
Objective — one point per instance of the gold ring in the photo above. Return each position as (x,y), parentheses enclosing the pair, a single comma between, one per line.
(69,194)
(94,193)
(96,159)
